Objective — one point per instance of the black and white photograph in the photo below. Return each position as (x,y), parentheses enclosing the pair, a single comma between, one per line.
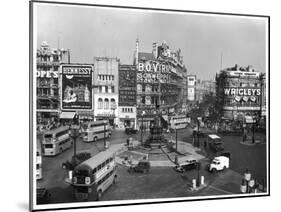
(133,105)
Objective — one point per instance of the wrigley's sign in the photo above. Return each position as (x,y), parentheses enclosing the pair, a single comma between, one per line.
(242,91)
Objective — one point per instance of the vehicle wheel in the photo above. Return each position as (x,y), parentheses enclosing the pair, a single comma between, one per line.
(95,139)
(115,179)
(99,195)
(213,170)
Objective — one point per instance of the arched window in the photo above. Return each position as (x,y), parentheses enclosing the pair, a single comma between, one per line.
(100,103)
(112,104)
(106,104)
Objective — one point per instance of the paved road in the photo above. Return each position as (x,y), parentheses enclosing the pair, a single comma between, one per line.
(161,182)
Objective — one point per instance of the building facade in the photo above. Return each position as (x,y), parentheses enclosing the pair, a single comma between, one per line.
(105,81)
(47,82)
(127,109)
(203,88)
(241,92)
(160,82)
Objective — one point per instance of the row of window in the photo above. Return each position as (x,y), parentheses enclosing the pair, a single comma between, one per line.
(127,110)
(105,163)
(105,77)
(63,142)
(105,177)
(106,89)
(104,104)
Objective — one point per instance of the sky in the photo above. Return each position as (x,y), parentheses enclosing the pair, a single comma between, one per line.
(207,42)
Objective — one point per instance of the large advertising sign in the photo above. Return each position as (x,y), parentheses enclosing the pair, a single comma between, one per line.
(243,94)
(153,72)
(76,87)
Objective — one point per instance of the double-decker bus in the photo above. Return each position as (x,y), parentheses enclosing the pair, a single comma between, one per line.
(56,141)
(95,130)
(179,122)
(38,165)
(93,176)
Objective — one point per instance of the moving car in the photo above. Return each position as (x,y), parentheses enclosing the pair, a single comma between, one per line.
(74,161)
(130,130)
(142,166)
(219,164)
(187,165)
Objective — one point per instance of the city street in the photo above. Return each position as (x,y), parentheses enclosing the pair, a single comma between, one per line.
(160,182)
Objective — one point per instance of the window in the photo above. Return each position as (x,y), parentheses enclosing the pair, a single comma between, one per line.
(106,89)
(112,104)
(100,89)
(100,103)
(112,89)
(106,104)
(112,77)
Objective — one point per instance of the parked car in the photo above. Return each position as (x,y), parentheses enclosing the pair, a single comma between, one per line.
(42,196)
(130,130)
(142,166)
(187,165)
(74,161)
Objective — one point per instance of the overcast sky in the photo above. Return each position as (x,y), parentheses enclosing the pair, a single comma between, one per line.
(91,31)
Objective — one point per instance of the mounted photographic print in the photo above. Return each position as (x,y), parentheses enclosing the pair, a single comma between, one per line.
(140,105)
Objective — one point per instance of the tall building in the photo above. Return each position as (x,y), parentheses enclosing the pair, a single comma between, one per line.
(240,92)
(105,81)
(127,96)
(160,81)
(47,81)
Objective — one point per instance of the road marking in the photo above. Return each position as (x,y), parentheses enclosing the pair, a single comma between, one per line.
(218,189)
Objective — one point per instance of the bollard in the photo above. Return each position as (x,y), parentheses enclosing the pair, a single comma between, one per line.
(194,183)
(202,180)
(70,175)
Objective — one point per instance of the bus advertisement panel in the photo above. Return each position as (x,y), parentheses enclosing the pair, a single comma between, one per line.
(76,87)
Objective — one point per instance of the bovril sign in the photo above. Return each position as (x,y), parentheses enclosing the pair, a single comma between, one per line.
(151,71)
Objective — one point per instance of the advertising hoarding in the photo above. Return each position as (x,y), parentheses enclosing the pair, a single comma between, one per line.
(76,87)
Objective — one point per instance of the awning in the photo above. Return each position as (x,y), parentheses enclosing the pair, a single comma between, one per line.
(67,115)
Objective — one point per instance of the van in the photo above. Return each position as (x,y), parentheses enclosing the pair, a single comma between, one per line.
(219,164)
(215,143)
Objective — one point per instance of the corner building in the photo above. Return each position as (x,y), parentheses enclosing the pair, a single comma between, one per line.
(161,81)
(47,82)
(241,92)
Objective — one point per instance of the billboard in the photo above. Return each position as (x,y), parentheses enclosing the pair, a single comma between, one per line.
(76,87)
(243,94)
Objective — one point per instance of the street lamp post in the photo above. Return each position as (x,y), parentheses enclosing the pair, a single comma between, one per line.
(104,134)
(176,136)
(253,129)
(198,175)
(74,132)
(142,114)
